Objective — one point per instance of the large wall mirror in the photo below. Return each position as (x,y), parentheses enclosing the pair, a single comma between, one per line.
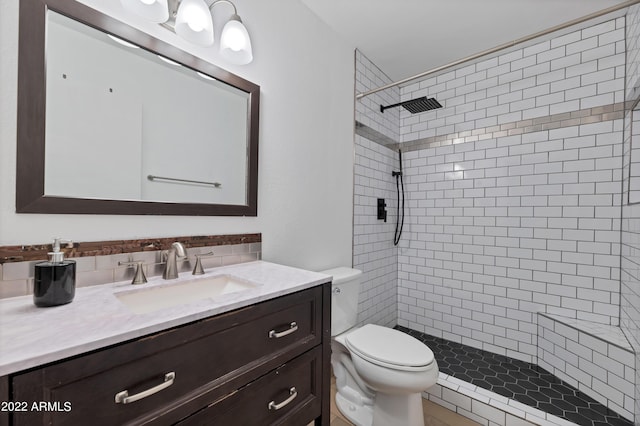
(113,121)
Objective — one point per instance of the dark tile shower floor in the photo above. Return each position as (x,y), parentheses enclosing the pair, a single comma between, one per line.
(518,380)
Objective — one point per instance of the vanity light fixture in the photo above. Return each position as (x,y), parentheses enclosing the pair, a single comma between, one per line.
(192,20)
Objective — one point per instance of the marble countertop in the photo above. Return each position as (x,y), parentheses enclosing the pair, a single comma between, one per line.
(32,336)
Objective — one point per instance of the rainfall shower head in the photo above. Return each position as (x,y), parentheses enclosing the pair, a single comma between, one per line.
(417,105)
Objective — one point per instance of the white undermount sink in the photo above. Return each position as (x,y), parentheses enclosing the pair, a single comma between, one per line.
(147,300)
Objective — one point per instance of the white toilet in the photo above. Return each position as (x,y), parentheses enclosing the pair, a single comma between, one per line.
(380,372)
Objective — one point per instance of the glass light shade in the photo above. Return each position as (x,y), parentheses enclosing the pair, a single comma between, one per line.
(151,10)
(235,44)
(194,22)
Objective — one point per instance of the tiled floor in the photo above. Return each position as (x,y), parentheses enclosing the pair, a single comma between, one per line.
(521,381)
(434,415)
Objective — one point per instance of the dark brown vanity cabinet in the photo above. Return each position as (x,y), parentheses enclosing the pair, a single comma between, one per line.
(263,364)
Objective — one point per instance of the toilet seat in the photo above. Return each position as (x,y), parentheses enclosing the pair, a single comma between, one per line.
(389,348)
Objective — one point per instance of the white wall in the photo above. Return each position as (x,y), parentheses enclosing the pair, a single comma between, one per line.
(306,141)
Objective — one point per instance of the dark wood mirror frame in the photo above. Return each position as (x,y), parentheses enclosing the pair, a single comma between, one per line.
(30,197)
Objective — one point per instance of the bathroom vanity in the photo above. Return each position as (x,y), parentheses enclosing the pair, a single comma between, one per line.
(252,357)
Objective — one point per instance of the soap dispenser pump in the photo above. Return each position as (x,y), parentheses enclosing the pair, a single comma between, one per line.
(54,280)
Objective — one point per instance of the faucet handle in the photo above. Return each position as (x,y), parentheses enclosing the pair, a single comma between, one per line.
(198,269)
(138,277)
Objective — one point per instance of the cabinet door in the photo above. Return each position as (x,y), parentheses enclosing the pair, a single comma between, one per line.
(289,395)
(178,371)
(4,396)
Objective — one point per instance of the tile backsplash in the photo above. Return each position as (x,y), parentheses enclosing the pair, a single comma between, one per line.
(16,277)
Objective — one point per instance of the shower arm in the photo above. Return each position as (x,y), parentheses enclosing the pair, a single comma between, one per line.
(501,47)
(382,108)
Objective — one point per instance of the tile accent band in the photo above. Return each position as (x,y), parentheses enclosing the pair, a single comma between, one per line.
(554,121)
(9,254)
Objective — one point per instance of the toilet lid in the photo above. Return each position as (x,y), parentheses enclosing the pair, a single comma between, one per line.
(388,346)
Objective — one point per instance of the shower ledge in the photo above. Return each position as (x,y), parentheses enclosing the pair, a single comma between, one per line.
(609,333)
(595,358)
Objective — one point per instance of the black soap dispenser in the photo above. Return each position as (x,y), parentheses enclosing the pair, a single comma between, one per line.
(55,280)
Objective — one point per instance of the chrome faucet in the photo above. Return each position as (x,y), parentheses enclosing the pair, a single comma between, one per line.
(170,266)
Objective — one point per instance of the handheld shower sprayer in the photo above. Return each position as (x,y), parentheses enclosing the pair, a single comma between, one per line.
(399,184)
(399,173)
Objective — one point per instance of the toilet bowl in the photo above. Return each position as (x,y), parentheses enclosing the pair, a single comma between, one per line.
(380,372)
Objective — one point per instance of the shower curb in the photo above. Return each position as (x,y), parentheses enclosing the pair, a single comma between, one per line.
(486,407)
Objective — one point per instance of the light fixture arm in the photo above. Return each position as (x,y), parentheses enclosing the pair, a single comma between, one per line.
(235,11)
(173,8)
(173,12)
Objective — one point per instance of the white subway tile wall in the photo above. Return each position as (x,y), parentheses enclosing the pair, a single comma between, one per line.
(369,76)
(630,256)
(633,50)
(599,362)
(633,117)
(630,250)
(527,218)
(373,249)
(574,71)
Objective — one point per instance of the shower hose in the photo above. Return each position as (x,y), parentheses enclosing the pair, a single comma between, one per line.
(399,189)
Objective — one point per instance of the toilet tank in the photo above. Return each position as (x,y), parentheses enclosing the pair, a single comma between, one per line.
(344,298)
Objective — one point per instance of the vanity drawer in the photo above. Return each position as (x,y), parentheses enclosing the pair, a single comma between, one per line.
(190,366)
(289,395)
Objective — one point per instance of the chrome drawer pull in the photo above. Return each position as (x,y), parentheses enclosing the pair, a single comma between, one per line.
(124,398)
(292,395)
(275,334)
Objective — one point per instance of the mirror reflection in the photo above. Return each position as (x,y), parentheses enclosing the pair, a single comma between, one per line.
(123,123)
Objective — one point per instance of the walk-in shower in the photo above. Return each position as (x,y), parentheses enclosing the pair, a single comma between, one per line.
(520,270)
